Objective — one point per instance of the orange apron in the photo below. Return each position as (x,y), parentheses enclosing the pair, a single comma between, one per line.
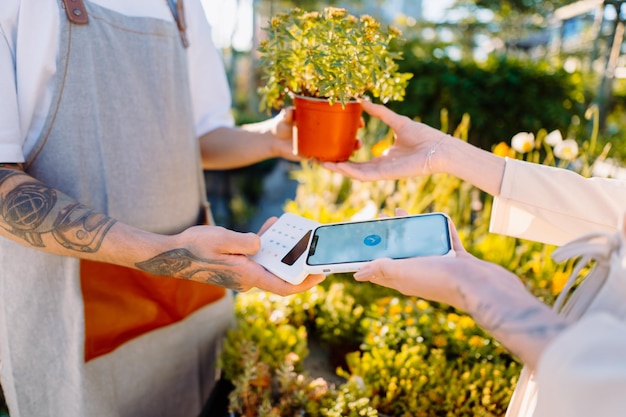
(123,303)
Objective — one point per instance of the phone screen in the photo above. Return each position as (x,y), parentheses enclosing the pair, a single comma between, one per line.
(393,237)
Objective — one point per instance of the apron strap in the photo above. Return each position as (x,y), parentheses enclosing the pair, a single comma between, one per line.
(76,12)
(178,11)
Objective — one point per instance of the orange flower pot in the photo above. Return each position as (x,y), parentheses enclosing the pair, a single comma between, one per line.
(325,132)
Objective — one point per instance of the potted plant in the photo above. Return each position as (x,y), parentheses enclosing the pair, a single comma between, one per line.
(324,61)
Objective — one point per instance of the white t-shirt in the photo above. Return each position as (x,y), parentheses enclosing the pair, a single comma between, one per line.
(28,47)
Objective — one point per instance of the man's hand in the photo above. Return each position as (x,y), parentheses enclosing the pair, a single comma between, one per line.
(219,256)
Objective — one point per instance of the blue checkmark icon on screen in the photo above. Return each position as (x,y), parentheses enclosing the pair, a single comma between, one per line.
(372,240)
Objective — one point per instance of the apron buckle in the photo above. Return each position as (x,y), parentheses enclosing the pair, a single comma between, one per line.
(76,12)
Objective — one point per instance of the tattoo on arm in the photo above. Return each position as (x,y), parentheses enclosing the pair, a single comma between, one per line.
(81,229)
(7,171)
(32,209)
(526,321)
(184,264)
(25,209)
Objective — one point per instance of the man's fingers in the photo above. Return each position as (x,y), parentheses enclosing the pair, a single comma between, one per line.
(239,243)
(272,283)
(268,223)
(288,114)
(309,282)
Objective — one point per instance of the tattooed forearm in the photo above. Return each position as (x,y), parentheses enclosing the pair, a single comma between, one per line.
(30,210)
(25,208)
(9,170)
(183,264)
(81,229)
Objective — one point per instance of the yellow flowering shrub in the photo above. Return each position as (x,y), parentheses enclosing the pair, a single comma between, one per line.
(410,357)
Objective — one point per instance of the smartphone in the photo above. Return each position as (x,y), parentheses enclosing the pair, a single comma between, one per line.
(345,247)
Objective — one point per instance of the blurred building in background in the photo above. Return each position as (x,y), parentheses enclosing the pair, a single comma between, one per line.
(236,23)
(588,36)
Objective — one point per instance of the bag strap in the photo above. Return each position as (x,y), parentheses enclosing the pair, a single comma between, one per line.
(76,12)
(598,247)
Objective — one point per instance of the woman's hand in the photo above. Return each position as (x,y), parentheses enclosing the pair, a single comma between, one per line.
(493,296)
(421,150)
(412,153)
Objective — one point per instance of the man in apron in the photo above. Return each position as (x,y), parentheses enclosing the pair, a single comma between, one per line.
(109,111)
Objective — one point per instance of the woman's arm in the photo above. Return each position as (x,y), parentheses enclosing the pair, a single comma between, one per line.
(533,201)
(421,150)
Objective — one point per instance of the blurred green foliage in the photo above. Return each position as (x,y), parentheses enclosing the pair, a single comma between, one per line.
(407,356)
(614,130)
(502,96)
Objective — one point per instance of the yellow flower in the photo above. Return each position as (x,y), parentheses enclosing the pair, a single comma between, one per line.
(311,16)
(394,31)
(394,310)
(503,150)
(459,335)
(453,317)
(523,142)
(381,147)
(422,305)
(466,322)
(335,12)
(558,282)
(440,341)
(476,341)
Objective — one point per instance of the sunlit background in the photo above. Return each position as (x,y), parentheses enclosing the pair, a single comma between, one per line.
(233,21)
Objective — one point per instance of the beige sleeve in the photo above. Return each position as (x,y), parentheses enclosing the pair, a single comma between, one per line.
(582,373)
(552,205)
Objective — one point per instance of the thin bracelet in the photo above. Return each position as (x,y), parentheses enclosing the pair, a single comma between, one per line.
(431,152)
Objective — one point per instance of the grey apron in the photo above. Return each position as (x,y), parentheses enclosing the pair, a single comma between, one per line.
(120,138)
